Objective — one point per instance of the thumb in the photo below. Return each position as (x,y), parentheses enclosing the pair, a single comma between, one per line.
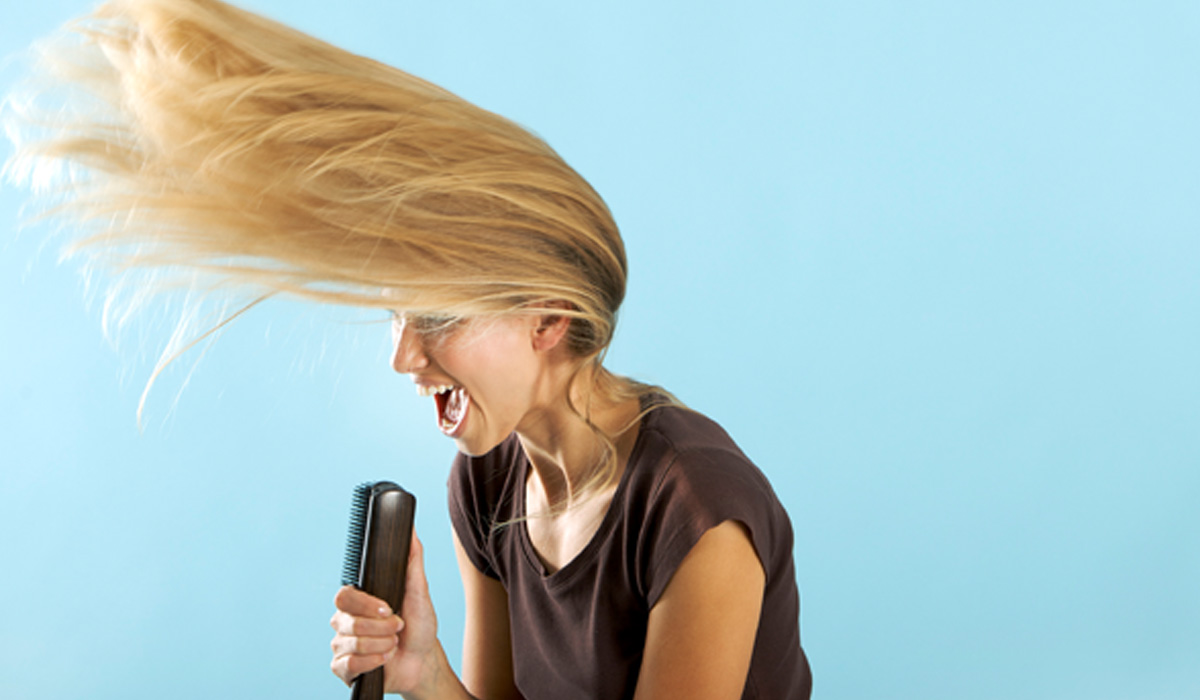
(415,581)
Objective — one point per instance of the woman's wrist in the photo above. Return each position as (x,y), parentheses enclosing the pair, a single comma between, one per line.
(438,679)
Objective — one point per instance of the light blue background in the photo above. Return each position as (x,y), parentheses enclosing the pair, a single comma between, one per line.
(933,264)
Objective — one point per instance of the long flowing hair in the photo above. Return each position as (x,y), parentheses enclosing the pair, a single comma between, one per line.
(190,137)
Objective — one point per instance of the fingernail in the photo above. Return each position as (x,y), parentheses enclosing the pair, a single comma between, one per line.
(384,611)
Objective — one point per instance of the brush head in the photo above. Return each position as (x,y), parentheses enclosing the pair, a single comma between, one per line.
(359,510)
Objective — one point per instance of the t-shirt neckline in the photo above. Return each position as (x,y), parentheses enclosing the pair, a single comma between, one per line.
(587,555)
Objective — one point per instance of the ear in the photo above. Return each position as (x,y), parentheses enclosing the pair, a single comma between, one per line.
(551,327)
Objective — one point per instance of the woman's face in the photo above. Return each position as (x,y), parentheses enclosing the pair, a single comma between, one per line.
(484,375)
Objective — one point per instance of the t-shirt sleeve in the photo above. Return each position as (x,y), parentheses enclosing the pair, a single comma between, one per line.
(698,491)
(470,515)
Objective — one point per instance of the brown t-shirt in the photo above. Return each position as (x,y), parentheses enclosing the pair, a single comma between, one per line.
(578,633)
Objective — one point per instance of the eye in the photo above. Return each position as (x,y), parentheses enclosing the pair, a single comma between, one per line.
(432,324)
(427,325)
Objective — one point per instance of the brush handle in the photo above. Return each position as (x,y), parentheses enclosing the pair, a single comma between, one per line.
(368,686)
(384,566)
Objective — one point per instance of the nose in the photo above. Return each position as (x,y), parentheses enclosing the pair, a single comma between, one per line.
(408,352)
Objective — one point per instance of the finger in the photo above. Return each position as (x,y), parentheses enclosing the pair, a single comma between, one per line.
(352,626)
(343,645)
(360,603)
(351,666)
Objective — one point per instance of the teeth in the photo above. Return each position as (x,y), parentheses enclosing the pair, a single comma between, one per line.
(424,390)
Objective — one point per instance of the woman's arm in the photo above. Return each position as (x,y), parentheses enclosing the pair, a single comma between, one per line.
(487,669)
(701,631)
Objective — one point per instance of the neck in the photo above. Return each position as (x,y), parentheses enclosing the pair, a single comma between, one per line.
(566,452)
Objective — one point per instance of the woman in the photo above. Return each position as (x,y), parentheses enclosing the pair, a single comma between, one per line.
(612,543)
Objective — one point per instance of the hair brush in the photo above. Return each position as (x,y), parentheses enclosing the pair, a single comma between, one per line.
(381,520)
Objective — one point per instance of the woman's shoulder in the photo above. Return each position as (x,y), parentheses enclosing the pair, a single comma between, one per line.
(691,476)
(683,454)
(684,437)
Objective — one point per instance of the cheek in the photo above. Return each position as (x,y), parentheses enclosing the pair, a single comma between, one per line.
(506,382)
(498,366)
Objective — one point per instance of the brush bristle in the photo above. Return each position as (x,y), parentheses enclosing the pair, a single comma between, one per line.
(355,537)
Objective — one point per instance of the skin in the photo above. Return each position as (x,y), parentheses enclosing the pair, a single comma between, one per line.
(517,371)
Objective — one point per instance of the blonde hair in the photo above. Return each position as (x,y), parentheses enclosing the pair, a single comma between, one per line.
(222,142)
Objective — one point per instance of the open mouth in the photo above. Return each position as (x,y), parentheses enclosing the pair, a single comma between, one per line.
(452,404)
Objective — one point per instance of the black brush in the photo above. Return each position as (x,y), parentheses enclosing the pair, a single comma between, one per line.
(381,520)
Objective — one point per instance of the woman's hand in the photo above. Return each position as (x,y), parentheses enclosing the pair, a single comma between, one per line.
(368,634)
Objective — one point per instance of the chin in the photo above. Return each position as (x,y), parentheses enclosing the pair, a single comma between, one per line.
(475,448)
(480,438)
